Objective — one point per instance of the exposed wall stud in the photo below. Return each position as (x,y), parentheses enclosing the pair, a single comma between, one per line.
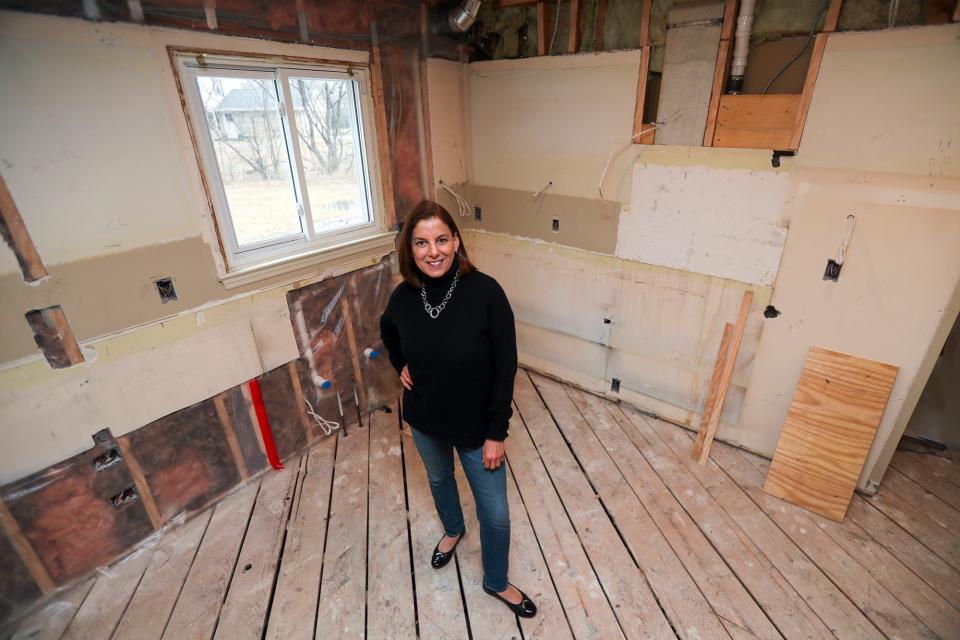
(231,436)
(573,41)
(644,72)
(210,10)
(302,21)
(25,550)
(601,17)
(52,334)
(14,232)
(140,482)
(136,11)
(720,72)
(541,28)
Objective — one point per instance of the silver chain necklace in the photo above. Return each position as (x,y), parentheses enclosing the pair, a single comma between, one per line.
(434,311)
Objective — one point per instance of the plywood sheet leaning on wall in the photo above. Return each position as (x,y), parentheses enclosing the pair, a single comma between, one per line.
(830,427)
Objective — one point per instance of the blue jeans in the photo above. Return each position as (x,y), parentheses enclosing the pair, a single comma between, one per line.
(489,494)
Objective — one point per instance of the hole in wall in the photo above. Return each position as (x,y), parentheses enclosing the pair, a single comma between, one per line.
(477,214)
(125,498)
(771,311)
(166,290)
(107,459)
(615,385)
(247,567)
(832,272)
(555,225)
(53,336)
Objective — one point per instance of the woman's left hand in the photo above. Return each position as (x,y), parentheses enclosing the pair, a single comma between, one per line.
(492,454)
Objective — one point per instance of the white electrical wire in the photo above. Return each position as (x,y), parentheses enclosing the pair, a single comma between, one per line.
(851,222)
(463,207)
(327,426)
(556,23)
(618,151)
(892,13)
(542,191)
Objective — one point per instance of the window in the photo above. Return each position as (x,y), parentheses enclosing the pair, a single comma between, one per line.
(287,156)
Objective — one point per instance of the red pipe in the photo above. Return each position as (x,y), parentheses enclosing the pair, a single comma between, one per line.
(265,431)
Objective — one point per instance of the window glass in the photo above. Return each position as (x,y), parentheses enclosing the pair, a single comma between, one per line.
(248,140)
(331,151)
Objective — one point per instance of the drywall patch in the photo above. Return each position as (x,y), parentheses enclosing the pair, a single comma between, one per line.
(585,223)
(718,222)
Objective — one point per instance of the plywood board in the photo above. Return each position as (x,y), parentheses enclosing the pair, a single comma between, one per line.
(830,426)
(756,121)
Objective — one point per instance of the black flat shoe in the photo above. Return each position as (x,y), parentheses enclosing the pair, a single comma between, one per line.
(525,609)
(439,559)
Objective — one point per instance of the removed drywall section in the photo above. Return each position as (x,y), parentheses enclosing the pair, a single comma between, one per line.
(554,119)
(887,102)
(693,35)
(589,318)
(719,222)
(585,223)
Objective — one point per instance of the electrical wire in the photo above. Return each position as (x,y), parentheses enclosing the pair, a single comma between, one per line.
(463,207)
(813,32)
(618,151)
(327,426)
(556,23)
(892,13)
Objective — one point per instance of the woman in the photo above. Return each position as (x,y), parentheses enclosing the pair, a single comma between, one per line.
(449,333)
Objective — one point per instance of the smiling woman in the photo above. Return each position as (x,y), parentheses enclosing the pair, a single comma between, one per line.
(449,332)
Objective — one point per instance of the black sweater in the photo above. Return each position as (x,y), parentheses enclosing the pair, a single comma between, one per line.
(462,363)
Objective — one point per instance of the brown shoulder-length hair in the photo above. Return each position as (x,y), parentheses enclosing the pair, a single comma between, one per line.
(427,210)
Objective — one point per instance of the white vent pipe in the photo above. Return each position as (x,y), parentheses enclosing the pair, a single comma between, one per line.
(741,46)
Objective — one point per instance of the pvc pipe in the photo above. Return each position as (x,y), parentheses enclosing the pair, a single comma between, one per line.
(741,45)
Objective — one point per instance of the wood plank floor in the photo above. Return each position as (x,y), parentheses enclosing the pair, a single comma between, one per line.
(616,533)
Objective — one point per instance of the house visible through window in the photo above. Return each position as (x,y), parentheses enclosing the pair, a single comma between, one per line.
(286,155)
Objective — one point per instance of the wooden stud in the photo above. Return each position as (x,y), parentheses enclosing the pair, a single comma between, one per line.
(58,319)
(638,124)
(756,121)
(25,550)
(140,480)
(252,413)
(833,16)
(301,402)
(210,10)
(136,11)
(709,405)
(227,425)
(18,237)
(645,24)
(709,428)
(724,56)
(644,72)
(383,139)
(816,57)
(601,17)
(956,13)
(573,40)
(302,21)
(541,28)
(354,355)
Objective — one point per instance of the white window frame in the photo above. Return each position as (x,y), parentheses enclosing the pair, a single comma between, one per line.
(269,258)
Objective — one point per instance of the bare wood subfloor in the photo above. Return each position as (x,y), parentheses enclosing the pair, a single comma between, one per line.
(616,533)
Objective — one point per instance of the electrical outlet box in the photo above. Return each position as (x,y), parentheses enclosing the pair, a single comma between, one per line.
(555,225)
(615,385)
(832,272)
(477,214)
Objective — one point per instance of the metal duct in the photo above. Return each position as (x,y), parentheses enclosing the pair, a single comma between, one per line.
(462,17)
